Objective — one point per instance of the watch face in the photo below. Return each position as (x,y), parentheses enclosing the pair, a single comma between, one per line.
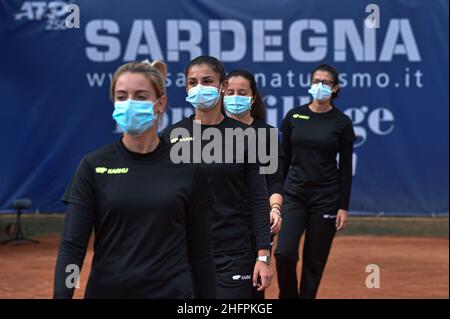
(265,259)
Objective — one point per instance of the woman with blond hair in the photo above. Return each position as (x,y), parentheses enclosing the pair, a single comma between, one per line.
(149,224)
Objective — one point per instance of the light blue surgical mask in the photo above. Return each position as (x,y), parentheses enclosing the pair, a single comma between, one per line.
(320,92)
(134,117)
(203,97)
(237,104)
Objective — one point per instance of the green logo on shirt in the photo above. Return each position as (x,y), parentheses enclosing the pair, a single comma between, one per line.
(300,116)
(111,171)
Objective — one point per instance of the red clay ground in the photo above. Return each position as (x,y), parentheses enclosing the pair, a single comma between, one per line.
(410,268)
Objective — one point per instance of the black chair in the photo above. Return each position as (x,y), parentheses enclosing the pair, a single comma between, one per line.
(18,205)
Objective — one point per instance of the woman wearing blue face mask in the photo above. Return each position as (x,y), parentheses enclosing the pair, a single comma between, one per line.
(243,102)
(149,224)
(232,182)
(317,187)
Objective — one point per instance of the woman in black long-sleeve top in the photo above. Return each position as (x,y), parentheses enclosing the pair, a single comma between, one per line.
(242,101)
(231,183)
(317,186)
(152,237)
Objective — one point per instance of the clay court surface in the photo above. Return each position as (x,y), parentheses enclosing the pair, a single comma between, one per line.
(410,268)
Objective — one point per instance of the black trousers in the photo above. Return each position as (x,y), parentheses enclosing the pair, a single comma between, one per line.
(234,275)
(314,215)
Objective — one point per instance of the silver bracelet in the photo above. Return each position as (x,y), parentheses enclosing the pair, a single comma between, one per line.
(276,210)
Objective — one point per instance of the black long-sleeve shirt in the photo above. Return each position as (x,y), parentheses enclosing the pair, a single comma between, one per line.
(151,224)
(230,183)
(311,142)
(273,181)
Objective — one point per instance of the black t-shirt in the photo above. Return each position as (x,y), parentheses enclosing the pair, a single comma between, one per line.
(230,184)
(151,224)
(311,143)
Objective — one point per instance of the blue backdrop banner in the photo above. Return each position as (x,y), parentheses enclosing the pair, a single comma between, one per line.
(392,57)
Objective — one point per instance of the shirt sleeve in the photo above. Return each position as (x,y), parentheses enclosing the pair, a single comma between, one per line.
(286,144)
(199,244)
(81,189)
(259,204)
(78,225)
(346,165)
(275,180)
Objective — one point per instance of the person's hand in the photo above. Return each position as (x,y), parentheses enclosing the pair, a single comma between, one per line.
(275,222)
(264,272)
(341,219)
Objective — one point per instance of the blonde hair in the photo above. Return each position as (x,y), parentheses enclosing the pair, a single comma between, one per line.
(155,72)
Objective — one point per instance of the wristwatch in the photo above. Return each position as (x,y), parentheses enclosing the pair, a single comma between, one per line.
(264,259)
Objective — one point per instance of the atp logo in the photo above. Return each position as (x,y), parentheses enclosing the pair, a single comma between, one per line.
(58,14)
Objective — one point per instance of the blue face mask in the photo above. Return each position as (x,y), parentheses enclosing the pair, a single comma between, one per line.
(203,97)
(134,117)
(320,92)
(237,104)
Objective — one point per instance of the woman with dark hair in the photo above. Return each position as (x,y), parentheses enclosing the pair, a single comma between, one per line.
(230,183)
(149,224)
(242,101)
(317,186)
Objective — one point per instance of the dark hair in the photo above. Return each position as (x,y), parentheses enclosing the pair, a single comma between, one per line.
(258,110)
(334,74)
(215,64)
